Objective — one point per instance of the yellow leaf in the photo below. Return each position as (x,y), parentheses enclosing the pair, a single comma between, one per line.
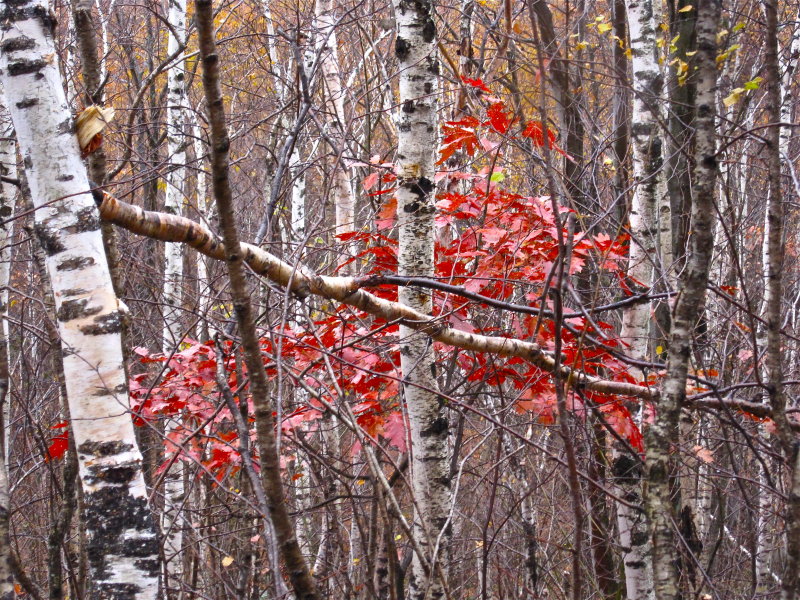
(580,46)
(227,561)
(629,55)
(603,27)
(733,98)
(398,537)
(659,349)
(686,8)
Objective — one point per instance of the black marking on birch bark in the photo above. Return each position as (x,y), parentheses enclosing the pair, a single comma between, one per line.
(27,103)
(50,240)
(110,513)
(641,130)
(428,29)
(100,393)
(108,323)
(98,449)
(88,220)
(11,14)
(26,67)
(438,426)
(408,107)
(75,309)
(428,87)
(118,474)
(73,292)
(65,178)
(17,44)
(639,538)
(65,127)
(78,262)
(46,17)
(635,564)
(626,469)
(121,591)
(401,48)
(420,187)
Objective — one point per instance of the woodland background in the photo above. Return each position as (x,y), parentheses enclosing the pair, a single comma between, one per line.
(597,202)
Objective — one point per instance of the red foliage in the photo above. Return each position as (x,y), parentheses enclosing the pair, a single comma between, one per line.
(492,241)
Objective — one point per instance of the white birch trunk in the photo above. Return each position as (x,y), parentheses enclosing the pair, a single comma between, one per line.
(202,209)
(418,64)
(8,168)
(298,208)
(176,175)
(171,525)
(646,148)
(328,51)
(123,547)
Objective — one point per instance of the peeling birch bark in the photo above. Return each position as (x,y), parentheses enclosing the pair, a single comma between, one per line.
(418,63)
(123,547)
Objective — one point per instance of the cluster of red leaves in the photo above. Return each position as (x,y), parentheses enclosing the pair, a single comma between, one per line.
(491,241)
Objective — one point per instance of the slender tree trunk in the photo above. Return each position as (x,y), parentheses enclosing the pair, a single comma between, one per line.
(646,144)
(774,355)
(123,548)
(418,63)
(175,179)
(328,51)
(171,525)
(8,168)
(293,560)
(663,434)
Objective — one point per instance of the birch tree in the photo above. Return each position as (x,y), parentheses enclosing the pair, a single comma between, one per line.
(330,65)
(8,168)
(418,63)
(663,433)
(123,547)
(645,137)
(176,186)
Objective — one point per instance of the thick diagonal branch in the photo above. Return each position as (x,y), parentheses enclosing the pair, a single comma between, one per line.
(303,282)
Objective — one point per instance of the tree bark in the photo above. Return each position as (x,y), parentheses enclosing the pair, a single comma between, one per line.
(8,168)
(174,199)
(123,547)
(418,63)
(663,434)
(291,554)
(645,137)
